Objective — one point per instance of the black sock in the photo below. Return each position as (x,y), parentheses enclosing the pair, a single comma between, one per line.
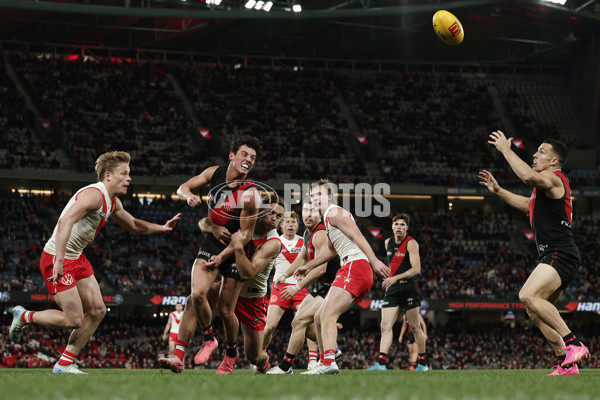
(423,359)
(231,349)
(382,359)
(288,361)
(561,358)
(571,339)
(208,333)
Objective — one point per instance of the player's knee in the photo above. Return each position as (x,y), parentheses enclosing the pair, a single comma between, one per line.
(198,297)
(298,323)
(386,325)
(526,298)
(97,312)
(74,321)
(226,310)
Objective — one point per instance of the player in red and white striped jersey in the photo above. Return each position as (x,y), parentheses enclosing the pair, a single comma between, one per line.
(353,281)
(291,246)
(172,328)
(68,274)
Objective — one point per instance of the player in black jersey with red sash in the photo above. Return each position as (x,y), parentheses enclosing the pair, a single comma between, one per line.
(315,240)
(234,203)
(401,291)
(550,214)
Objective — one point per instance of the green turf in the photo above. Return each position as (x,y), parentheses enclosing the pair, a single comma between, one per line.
(115,384)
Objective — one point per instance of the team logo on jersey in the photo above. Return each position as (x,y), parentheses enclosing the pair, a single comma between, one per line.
(67,279)
(273,298)
(389,253)
(224,201)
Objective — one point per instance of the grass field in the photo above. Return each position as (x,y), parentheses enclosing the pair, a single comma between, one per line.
(115,384)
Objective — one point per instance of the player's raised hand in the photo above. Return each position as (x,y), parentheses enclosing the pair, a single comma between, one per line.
(500,141)
(170,224)
(381,269)
(487,179)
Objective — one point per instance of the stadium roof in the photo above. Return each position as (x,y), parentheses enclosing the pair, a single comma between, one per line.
(531,32)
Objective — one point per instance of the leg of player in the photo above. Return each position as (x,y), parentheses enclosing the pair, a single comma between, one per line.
(412,316)
(255,354)
(228,296)
(336,303)
(303,319)
(413,355)
(388,318)
(541,285)
(313,348)
(555,340)
(274,315)
(196,310)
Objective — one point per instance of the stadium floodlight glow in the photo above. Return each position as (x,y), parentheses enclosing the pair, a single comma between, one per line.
(250,4)
(215,2)
(268,6)
(259,5)
(561,2)
(297,8)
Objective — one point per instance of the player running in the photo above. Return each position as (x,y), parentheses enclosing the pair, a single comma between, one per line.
(353,281)
(252,303)
(291,246)
(234,202)
(550,215)
(67,272)
(315,241)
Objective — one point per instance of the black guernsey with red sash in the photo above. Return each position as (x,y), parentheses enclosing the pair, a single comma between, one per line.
(224,201)
(398,259)
(551,219)
(333,265)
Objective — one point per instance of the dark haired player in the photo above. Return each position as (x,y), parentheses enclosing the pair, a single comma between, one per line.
(550,214)
(234,202)
(401,291)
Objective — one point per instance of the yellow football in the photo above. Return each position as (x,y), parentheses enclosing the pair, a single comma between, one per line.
(448,28)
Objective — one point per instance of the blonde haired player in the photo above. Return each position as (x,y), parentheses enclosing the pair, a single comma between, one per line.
(353,281)
(172,328)
(67,272)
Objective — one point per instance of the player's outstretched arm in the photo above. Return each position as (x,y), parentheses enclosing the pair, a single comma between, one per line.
(139,226)
(542,180)
(514,200)
(185,190)
(249,269)
(343,221)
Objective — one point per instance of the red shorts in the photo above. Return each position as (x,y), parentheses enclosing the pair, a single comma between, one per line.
(173,337)
(292,303)
(73,271)
(355,277)
(252,312)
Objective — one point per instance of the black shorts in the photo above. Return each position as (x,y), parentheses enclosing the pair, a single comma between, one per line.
(403,295)
(210,246)
(565,261)
(321,290)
